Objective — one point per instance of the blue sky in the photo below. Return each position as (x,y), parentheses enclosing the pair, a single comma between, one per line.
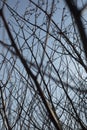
(60,62)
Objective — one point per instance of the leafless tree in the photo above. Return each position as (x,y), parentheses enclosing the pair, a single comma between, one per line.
(43,65)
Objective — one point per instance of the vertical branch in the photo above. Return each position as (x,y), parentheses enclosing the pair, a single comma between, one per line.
(77,15)
(4,116)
